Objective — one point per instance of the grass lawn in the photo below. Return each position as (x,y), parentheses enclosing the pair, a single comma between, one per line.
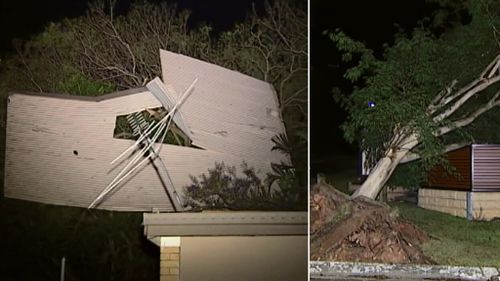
(98,245)
(456,241)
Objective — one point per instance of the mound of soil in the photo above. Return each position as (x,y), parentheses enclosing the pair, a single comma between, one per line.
(345,229)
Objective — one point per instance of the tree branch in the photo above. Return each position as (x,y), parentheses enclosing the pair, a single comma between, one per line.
(491,67)
(494,101)
(28,73)
(483,84)
(486,79)
(411,156)
(437,102)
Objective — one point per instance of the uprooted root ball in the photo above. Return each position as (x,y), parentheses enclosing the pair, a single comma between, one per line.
(345,229)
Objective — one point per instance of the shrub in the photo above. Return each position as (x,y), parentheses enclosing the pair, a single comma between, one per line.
(224,188)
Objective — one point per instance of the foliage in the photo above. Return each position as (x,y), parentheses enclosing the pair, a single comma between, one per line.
(45,63)
(77,84)
(291,178)
(226,188)
(404,82)
(409,175)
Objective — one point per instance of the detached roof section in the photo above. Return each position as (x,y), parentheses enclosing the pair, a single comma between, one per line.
(59,147)
(229,112)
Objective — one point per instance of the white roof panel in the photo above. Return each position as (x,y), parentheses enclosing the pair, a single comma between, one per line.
(228,111)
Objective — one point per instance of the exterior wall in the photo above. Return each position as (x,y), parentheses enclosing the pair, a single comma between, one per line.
(446,201)
(486,168)
(265,258)
(59,149)
(485,204)
(461,160)
(170,263)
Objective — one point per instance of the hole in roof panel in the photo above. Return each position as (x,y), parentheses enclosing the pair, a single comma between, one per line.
(131,126)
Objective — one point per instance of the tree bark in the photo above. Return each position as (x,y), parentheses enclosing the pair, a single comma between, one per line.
(384,168)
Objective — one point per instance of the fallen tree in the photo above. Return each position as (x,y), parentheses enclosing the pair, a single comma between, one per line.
(418,100)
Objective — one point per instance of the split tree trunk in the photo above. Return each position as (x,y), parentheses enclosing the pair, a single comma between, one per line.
(384,168)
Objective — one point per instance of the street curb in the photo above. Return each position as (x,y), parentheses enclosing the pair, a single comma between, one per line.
(322,270)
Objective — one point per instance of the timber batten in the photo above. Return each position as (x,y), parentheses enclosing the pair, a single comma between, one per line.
(459,159)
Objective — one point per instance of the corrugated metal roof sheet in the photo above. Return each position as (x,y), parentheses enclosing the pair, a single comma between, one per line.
(58,148)
(485,167)
(228,111)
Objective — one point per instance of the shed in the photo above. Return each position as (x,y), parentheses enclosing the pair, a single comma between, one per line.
(473,191)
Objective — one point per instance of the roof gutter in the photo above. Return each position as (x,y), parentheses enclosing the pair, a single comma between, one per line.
(227,223)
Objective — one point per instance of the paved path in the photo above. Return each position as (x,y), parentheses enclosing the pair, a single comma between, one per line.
(350,271)
(378,279)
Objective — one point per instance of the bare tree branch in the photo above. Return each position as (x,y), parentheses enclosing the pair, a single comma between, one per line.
(486,78)
(28,73)
(494,101)
(436,103)
(483,84)
(410,156)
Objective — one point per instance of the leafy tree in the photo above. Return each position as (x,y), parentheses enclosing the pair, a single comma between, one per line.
(424,95)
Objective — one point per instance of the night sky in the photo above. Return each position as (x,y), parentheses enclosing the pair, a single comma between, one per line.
(22,18)
(372,22)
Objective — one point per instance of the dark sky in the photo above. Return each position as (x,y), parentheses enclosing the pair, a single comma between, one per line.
(21,18)
(372,22)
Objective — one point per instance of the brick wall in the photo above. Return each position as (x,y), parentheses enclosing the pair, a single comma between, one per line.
(486,205)
(170,258)
(170,263)
(446,201)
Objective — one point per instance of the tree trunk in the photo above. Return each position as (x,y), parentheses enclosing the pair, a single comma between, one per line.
(384,168)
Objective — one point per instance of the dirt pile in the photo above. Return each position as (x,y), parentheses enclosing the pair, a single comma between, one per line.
(344,229)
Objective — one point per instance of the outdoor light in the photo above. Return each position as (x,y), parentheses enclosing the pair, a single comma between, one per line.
(371,104)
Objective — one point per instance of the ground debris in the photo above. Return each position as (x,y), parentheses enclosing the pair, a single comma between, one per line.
(345,229)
